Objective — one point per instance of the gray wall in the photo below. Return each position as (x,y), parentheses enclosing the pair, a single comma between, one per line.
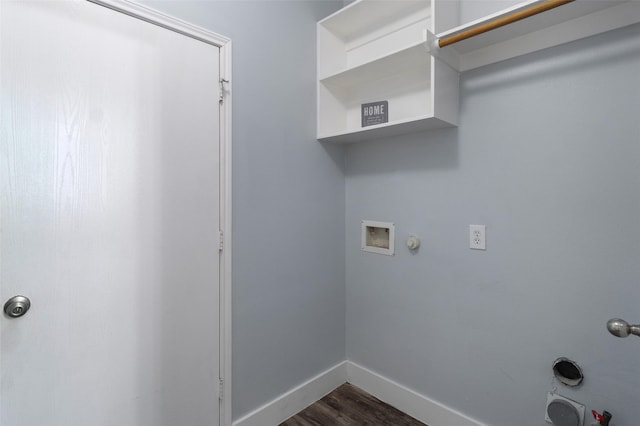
(547,157)
(288,199)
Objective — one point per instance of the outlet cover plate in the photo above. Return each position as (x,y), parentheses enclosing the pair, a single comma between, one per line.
(554,396)
(477,237)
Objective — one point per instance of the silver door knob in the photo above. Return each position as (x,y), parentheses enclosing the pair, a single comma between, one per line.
(621,328)
(17,306)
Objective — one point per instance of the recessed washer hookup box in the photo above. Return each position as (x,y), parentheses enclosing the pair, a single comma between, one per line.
(378,237)
(375,113)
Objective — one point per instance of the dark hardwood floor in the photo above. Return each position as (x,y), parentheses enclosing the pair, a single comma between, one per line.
(351,406)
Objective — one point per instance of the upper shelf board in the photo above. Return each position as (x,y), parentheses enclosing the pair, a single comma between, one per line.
(362,17)
(578,19)
(414,57)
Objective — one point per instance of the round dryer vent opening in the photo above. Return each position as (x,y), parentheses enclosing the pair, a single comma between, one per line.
(567,372)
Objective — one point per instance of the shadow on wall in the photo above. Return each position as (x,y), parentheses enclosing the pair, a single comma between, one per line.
(428,150)
(567,60)
(337,153)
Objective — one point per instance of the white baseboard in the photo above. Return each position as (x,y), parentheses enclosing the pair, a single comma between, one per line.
(422,408)
(297,399)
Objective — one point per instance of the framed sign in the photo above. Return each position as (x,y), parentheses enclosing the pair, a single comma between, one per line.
(375,113)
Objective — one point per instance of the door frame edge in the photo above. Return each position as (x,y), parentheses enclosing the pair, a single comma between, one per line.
(225,225)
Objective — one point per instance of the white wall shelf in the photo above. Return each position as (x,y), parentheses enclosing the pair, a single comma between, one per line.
(386,50)
(376,50)
(572,21)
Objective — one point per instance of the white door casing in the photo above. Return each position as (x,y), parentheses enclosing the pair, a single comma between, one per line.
(115,181)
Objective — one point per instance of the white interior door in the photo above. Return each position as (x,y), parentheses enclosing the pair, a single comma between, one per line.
(110,216)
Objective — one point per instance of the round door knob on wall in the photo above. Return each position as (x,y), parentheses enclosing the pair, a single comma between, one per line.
(620,328)
(17,306)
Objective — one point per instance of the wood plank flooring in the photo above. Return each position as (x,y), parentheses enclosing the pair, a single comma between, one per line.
(351,406)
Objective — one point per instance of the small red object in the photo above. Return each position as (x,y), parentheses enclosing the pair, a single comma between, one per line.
(596,415)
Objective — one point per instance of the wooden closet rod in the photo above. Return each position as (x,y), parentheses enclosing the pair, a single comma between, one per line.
(534,9)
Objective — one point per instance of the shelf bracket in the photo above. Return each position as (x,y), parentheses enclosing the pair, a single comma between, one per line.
(448,56)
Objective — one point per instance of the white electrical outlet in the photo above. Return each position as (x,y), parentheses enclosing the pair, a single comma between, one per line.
(477,237)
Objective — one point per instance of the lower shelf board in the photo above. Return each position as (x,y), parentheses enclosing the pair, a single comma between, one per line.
(349,405)
(395,128)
